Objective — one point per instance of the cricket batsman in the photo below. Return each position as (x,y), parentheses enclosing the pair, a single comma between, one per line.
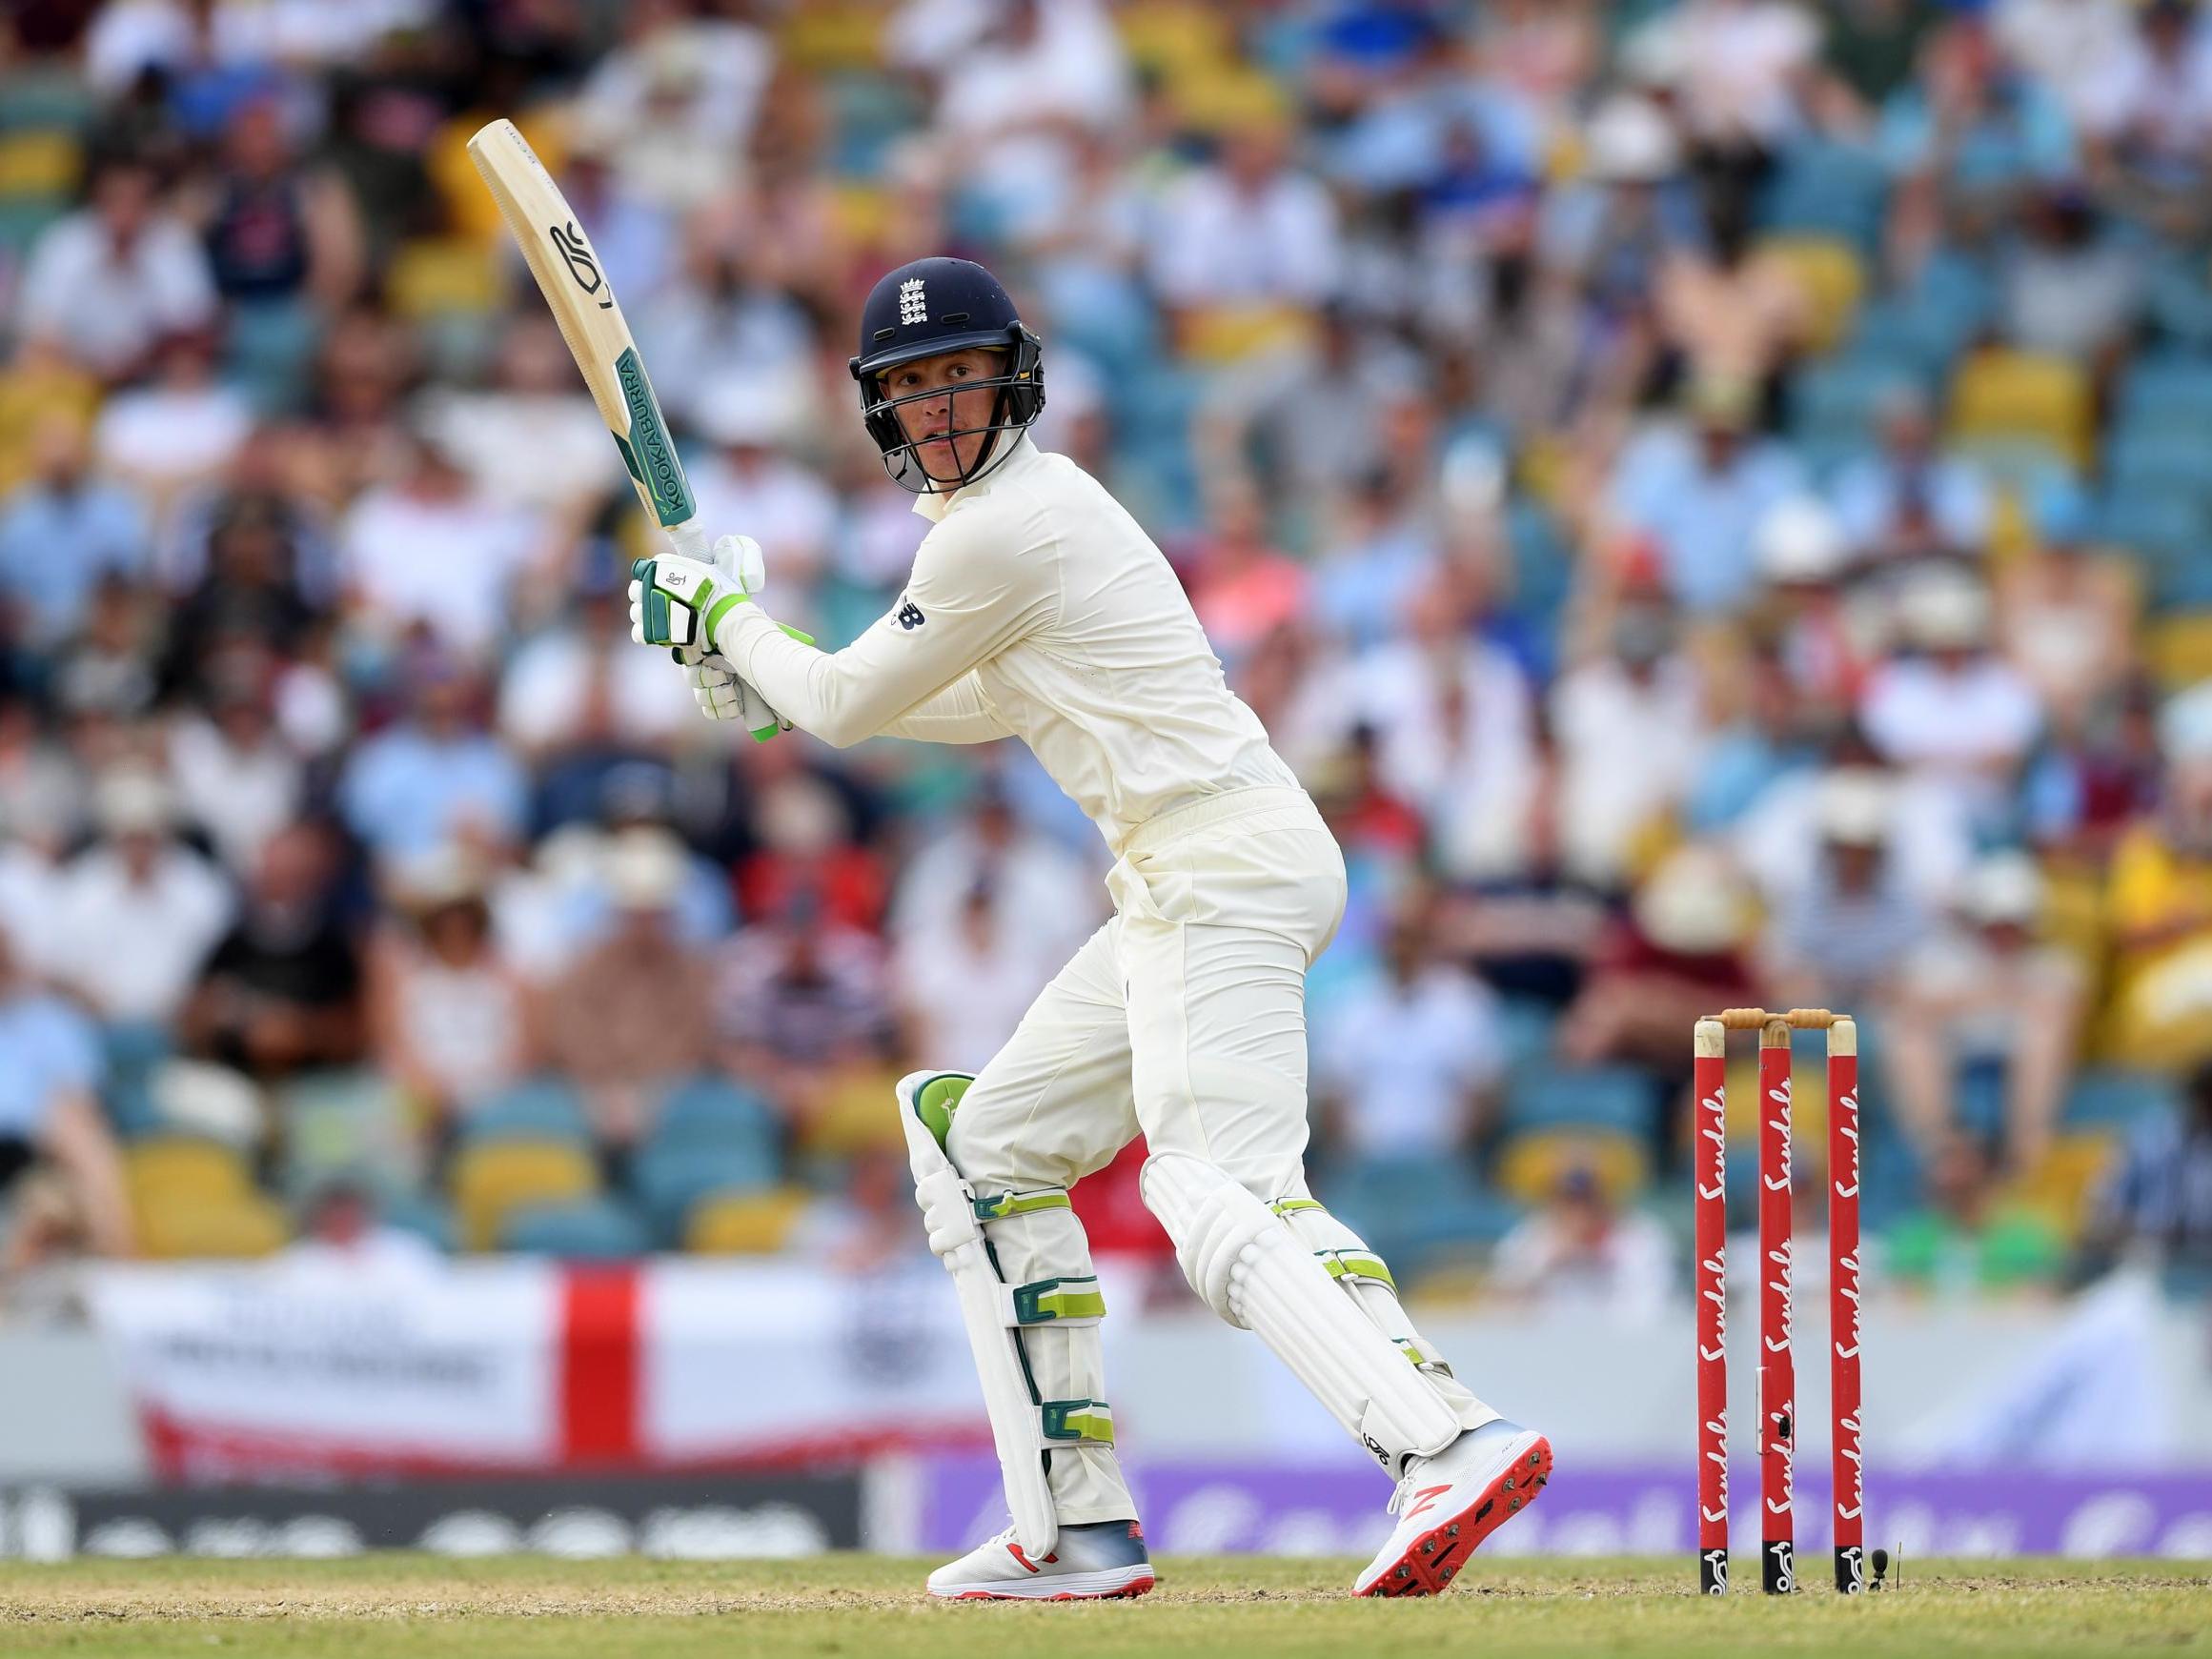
(1038,609)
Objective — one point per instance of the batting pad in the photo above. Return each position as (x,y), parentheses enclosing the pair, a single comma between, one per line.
(1030,1304)
(1255,1271)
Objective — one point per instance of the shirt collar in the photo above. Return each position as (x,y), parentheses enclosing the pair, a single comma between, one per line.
(933,506)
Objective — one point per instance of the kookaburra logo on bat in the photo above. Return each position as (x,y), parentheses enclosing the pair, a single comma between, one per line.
(582,266)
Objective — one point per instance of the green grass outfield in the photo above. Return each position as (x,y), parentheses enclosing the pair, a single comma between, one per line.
(868,1608)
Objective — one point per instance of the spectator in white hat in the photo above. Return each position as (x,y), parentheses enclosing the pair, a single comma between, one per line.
(1838,938)
(138,912)
(1951,707)
(1983,997)
(632,1014)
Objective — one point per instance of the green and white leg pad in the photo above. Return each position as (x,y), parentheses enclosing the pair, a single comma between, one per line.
(1308,1287)
(1345,1256)
(1033,1330)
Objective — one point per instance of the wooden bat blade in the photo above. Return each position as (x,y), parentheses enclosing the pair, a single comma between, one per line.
(575,284)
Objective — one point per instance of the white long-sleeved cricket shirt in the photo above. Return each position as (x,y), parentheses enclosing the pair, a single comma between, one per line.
(1037,609)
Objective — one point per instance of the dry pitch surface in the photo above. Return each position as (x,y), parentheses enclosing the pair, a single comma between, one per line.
(423,1607)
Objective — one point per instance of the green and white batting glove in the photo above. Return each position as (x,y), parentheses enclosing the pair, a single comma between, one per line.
(675,602)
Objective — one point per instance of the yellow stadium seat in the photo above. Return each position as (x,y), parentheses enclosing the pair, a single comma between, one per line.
(752,1223)
(1807,1096)
(827,36)
(848,1115)
(2180,648)
(246,1224)
(860,212)
(2063,1189)
(433,276)
(1533,1164)
(1215,337)
(40,163)
(2005,400)
(468,208)
(183,1170)
(1833,280)
(1176,39)
(32,393)
(493,1178)
(2011,535)
(2073,918)
(1219,98)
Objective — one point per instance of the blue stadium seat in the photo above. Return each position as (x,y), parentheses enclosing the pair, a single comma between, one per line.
(1910,336)
(2171,534)
(1528,1028)
(1833,405)
(1955,295)
(2166,393)
(2157,456)
(541,1108)
(132,1050)
(668,1177)
(1543,565)
(868,113)
(714,1111)
(2178,304)
(1830,188)
(2107,1097)
(594,1229)
(425,1217)
(1412,1210)
(1608,1097)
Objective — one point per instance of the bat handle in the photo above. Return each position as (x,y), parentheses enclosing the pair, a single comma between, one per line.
(689,538)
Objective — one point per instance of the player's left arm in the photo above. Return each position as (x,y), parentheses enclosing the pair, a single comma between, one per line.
(962,712)
(982,582)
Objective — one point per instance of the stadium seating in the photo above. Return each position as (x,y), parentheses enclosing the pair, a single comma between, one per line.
(744,1223)
(1831,277)
(2108,1098)
(2170,391)
(2179,648)
(541,1108)
(1611,1098)
(711,1139)
(595,1229)
(195,1197)
(1532,1165)
(2014,408)
(1835,404)
(1829,188)
(493,1179)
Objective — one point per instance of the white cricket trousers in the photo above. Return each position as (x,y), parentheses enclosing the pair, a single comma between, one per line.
(1183,1016)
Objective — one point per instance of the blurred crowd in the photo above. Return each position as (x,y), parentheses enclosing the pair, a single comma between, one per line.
(1710,496)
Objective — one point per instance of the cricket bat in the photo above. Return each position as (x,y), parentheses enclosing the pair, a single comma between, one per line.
(575,288)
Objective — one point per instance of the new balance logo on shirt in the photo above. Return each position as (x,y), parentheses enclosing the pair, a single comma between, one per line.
(910,616)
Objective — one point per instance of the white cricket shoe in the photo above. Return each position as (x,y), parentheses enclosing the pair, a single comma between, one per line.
(1446,1505)
(1092,1562)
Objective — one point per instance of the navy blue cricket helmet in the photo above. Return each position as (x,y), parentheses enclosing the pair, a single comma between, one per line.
(928,306)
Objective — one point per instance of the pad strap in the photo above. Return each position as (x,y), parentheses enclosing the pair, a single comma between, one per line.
(1072,1301)
(1079,1420)
(998,1207)
(1353,1264)
(1421,1362)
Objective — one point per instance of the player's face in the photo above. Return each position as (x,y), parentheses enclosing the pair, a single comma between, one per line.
(943,412)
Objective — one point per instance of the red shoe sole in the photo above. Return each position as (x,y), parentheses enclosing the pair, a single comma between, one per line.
(1433,1560)
(1141,1587)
